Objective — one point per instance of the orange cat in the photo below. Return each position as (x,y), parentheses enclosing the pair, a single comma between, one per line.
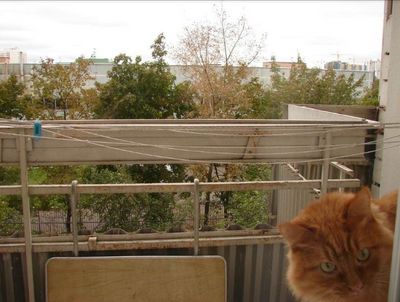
(340,248)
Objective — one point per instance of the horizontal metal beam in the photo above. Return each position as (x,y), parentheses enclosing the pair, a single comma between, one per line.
(178,187)
(137,236)
(93,245)
(343,168)
(107,122)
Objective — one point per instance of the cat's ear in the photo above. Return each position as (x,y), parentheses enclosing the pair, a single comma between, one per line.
(360,205)
(296,235)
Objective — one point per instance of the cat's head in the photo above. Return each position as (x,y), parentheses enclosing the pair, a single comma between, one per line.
(337,249)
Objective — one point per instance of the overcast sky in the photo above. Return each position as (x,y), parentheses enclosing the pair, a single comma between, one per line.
(318,30)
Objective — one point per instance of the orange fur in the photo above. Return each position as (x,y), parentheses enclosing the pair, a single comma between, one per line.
(335,229)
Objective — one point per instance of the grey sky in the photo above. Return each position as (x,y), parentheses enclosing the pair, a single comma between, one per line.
(316,29)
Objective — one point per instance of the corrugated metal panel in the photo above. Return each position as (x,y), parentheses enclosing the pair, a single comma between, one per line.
(248,270)
(288,203)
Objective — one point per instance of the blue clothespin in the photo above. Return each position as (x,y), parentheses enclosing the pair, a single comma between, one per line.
(37,129)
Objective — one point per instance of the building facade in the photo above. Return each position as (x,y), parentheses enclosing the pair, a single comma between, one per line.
(99,73)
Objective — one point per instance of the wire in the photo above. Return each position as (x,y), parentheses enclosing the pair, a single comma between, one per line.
(124,150)
(169,147)
(336,129)
(275,134)
(223,161)
(102,144)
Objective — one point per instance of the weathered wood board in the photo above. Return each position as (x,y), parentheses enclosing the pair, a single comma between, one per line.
(141,279)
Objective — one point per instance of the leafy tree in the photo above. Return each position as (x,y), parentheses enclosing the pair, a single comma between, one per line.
(10,206)
(371,95)
(13,102)
(59,89)
(251,207)
(216,58)
(10,219)
(139,89)
(311,86)
(263,105)
(127,211)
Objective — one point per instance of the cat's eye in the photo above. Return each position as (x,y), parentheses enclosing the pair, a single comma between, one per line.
(327,267)
(363,255)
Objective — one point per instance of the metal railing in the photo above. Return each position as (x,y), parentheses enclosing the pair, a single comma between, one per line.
(150,142)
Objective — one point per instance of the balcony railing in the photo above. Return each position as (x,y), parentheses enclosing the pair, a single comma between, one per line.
(319,149)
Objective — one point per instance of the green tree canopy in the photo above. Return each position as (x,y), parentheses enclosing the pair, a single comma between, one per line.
(13,103)
(59,89)
(371,95)
(313,86)
(138,89)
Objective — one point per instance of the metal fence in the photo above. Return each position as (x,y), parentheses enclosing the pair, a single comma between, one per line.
(256,264)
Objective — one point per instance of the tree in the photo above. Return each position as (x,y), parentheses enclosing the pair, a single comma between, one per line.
(371,95)
(59,89)
(13,103)
(263,105)
(127,211)
(216,58)
(139,89)
(313,86)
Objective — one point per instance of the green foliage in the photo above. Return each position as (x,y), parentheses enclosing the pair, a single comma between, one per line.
(13,103)
(127,211)
(141,90)
(371,95)
(10,176)
(10,219)
(311,86)
(263,106)
(249,208)
(146,90)
(59,89)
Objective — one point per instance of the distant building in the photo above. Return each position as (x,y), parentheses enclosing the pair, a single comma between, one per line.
(99,71)
(12,62)
(12,56)
(375,66)
(339,65)
(279,64)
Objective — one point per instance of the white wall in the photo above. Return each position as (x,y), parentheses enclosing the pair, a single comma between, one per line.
(386,176)
(296,112)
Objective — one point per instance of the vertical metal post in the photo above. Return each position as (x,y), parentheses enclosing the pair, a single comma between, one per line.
(26,214)
(73,202)
(196,226)
(326,163)
(341,176)
(394,285)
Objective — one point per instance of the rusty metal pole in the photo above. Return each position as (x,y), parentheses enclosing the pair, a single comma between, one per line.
(26,214)
(196,225)
(73,201)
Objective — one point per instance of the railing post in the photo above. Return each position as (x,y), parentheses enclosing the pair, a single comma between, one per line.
(394,285)
(196,226)
(326,163)
(23,164)
(73,202)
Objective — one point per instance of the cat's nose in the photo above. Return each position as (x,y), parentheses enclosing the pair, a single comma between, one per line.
(356,287)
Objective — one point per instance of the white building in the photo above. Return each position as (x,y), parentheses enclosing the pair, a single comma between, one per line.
(13,56)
